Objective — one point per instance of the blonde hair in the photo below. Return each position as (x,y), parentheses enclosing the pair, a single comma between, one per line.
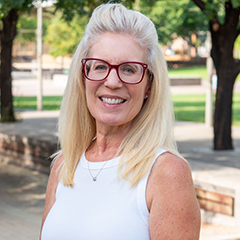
(152,127)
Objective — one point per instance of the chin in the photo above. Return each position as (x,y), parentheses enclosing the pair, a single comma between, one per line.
(114,122)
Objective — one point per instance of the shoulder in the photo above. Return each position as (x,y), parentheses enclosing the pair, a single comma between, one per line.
(171,166)
(52,186)
(56,166)
(167,169)
(171,199)
(168,172)
(54,175)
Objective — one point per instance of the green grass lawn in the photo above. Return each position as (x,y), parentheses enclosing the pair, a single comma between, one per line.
(50,103)
(189,107)
(236,109)
(200,71)
(192,108)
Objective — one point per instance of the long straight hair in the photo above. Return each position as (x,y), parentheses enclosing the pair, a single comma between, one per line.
(152,128)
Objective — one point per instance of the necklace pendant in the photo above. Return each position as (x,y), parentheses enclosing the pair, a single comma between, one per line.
(95,178)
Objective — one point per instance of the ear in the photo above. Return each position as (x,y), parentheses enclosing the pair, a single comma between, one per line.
(147,92)
(149,85)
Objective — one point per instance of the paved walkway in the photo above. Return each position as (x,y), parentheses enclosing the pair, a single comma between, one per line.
(22,191)
(22,195)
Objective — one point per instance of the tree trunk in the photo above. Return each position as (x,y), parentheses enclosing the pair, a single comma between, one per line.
(223,38)
(7,37)
(223,107)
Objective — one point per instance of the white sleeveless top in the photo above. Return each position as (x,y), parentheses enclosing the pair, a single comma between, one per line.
(105,209)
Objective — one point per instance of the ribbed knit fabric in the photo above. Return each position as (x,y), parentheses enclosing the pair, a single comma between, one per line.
(106,209)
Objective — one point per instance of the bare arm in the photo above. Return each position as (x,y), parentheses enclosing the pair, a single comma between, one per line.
(172,202)
(51,189)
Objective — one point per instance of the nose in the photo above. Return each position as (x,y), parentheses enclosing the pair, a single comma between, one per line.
(113,81)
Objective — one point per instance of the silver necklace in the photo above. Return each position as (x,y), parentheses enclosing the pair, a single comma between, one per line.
(95,178)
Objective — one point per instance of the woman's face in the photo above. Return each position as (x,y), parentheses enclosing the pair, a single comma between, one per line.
(112,102)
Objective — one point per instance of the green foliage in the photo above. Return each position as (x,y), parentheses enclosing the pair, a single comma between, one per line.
(27,22)
(183,17)
(71,8)
(236,3)
(64,36)
(237,46)
(180,17)
(21,5)
(216,9)
(190,20)
(67,27)
(237,43)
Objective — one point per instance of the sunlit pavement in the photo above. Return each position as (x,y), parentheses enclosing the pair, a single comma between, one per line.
(22,195)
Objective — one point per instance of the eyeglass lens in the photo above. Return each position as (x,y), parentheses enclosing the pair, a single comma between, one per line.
(128,72)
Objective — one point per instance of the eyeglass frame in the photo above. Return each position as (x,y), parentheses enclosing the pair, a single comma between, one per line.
(111,66)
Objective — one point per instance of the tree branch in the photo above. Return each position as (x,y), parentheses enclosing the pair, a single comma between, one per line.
(200,4)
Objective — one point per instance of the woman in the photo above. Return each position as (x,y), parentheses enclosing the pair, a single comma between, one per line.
(119,175)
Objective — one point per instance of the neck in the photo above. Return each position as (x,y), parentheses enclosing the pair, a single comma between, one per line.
(107,142)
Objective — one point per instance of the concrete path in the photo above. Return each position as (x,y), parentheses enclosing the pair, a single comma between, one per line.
(26,84)
(22,195)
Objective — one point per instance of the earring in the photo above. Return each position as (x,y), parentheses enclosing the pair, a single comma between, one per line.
(146,96)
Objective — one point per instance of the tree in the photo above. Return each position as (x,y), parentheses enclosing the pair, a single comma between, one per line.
(224,25)
(9,14)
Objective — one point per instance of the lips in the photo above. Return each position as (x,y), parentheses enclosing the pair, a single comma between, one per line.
(112,101)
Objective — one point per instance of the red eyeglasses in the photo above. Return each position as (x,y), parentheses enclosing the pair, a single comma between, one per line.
(128,72)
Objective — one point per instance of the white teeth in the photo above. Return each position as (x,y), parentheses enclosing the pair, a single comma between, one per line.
(112,100)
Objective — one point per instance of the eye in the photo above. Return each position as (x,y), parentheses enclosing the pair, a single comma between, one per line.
(100,67)
(128,69)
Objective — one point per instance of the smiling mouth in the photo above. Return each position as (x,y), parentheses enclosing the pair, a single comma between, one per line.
(112,101)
